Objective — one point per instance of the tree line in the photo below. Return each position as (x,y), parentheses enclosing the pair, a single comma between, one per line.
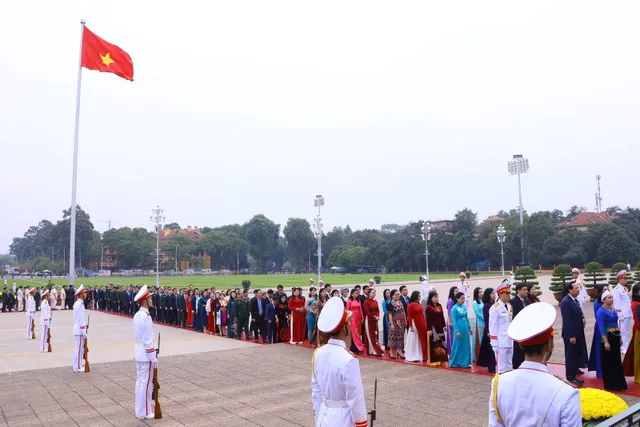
(262,245)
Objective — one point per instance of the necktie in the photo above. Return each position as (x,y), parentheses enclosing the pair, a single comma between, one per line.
(579,308)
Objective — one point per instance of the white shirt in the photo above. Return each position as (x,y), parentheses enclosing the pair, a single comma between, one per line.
(499,320)
(144,350)
(621,301)
(336,378)
(79,322)
(20,295)
(45,313)
(31,305)
(525,393)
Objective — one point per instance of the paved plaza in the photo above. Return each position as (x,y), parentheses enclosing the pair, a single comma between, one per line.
(214,381)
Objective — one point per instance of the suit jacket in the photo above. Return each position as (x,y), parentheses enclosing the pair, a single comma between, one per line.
(572,325)
(517,305)
(271,312)
(254,307)
(404,303)
(172,301)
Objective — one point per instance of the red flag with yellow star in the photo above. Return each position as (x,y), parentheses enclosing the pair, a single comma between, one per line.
(103,56)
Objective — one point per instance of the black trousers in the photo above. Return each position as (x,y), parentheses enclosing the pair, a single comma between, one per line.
(573,356)
(259,327)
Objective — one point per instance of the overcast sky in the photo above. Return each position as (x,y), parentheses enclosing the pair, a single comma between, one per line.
(394,111)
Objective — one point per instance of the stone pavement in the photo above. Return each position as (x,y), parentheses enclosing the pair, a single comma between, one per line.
(253,386)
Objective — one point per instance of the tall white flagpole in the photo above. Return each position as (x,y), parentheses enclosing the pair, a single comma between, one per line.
(72,237)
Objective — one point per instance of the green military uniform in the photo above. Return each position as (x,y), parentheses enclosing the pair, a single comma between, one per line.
(242,310)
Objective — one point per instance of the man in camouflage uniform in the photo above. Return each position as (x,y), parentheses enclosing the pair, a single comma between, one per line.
(242,310)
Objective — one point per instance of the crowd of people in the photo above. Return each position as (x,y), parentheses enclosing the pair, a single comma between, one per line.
(414,327)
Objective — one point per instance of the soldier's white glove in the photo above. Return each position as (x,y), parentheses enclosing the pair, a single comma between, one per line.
(154,364)
(84,334)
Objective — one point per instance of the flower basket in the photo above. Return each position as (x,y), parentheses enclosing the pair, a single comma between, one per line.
(599,405)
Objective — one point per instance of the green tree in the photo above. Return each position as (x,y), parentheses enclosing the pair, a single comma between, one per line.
(595,278)
(465,220)
(262,235)
(561,276)
(527,275)
(539,229)
(300,240)
(173,226)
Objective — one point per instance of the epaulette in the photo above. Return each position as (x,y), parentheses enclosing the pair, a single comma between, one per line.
(497,304)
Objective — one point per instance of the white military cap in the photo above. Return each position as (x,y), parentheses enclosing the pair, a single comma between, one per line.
(80,290)
(621,273)
(333,316)
(533,325)
(142,294)
(45,293)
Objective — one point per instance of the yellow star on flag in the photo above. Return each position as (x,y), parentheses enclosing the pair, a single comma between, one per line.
(106,60)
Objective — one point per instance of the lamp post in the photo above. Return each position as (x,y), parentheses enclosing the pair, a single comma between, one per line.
(518,166)
(502,233)
(157,219)
(319,202)
(426,236)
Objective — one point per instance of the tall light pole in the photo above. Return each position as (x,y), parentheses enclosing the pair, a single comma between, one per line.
(518,166)
(426,236)
(101,256)
(319,202)
(157,218)
(502,233)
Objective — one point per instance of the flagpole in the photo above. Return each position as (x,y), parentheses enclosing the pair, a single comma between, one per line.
(72,237)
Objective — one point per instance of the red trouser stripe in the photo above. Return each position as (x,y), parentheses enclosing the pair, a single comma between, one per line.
(146,396)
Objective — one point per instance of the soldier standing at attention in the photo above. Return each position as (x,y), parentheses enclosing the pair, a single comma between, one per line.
(499,321)
(45,320)
(31,310)
(79,330)
(336,386)
(144,353)
(622,305)
(530,396)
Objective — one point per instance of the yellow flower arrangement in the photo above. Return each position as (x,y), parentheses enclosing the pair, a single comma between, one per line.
(599,405)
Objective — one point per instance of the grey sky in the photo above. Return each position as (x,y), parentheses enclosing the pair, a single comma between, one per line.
(412,108)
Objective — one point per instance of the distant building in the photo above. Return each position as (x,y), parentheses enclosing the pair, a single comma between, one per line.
(583,220)
(495,218)
(194,234)
(443,226)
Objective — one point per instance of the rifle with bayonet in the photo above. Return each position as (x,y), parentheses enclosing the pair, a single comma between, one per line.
(33,328)
(156,386)
(87,367)
(48,340)
(375,398)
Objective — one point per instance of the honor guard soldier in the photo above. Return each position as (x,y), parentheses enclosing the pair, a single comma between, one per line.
(79,330)
(337,393)
(622,304)
(499,321)
(45,320)
(530,396)
(144,353)
(31,310)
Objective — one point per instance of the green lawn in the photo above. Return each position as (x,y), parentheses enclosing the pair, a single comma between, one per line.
(226,282)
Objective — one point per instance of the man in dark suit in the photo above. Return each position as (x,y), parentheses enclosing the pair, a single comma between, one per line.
(258,309)
(518,303)
(181,304)
(404,297)
(172,306)
(575,346)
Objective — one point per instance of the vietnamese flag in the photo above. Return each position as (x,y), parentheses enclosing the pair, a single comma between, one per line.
(105,57)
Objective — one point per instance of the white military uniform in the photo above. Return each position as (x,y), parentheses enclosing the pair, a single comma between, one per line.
(45,322)
(15,286)
(20,300)
(622,305)
(31,313)
(336,386)
(499,320)
(53,298)
(79,335)
(146,360)
(528,395)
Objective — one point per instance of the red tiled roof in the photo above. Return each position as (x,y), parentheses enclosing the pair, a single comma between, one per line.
(585,219)
(494,218)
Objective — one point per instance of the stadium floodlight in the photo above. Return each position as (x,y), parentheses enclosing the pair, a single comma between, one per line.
(518,166)
(502,235)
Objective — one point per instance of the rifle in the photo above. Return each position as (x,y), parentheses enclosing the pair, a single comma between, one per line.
(87,367)
(48,340)
(375,398)
(156,387)
(33,328)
